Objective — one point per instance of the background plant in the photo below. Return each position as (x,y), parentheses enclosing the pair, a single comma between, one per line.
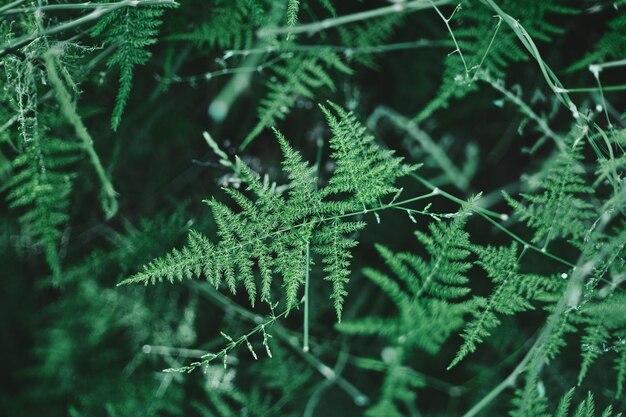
(416,208)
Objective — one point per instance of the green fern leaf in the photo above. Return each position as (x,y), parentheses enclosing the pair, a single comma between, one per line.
(512,294)
(560,210)
(131,31)
(275,232)
(300,76)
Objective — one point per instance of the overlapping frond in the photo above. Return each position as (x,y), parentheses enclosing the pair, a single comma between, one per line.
(276,234)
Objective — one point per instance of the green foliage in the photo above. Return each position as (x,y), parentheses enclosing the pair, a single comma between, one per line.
(292,12)
(229,24)
(484,44)
(427,311)
(130,31)
(42,170)
(512,293)
(329,278)
(300,77)
(277,232)
(40,188)
(611,46)
(560,209)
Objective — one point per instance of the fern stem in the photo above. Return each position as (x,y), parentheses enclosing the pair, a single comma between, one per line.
(328,373)
(171,351)
(80,6)
(376,49)
(525,109)
(182,264)
(453,173)
(109,195)
(307,272)
(9,6)
(621,87)
(489,216)
(314,27)
(611,64)
(220,111)
(456,44)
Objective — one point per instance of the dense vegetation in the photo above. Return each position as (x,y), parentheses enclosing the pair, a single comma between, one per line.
(415,208)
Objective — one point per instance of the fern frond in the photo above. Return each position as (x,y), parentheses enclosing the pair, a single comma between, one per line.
(593,343)
(375,32)
(41,183)
(512,294)
(487,45)
(275,231)
(131,31)
(612,44)
(335,247)
(228,24)
(293,6)
(559,210)
(424,299)
(363,170)
(301,76)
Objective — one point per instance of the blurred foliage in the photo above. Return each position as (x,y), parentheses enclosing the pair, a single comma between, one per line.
(491,130)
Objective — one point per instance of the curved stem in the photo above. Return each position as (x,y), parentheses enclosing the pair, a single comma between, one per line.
(314,27)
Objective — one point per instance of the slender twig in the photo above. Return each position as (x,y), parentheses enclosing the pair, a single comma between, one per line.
(612,64)
(596,89)
(375,49)
(78,6)
(543,125)
(227,304)
(325,24)
(208,76)
(108,195)
(551,79)
(307,272)
(9,6)
(446,21)
(490,216)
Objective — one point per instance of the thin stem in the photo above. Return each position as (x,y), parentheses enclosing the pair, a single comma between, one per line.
(551,79)
(228,305)
(207,76)
(595,70)
(76,6)
(376,49)
(456,44)
(9,6)
(524,108)
(307,272)
(490,216)
(108,196)
(171,351)
(325,24)
(595,89)
(611,64)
